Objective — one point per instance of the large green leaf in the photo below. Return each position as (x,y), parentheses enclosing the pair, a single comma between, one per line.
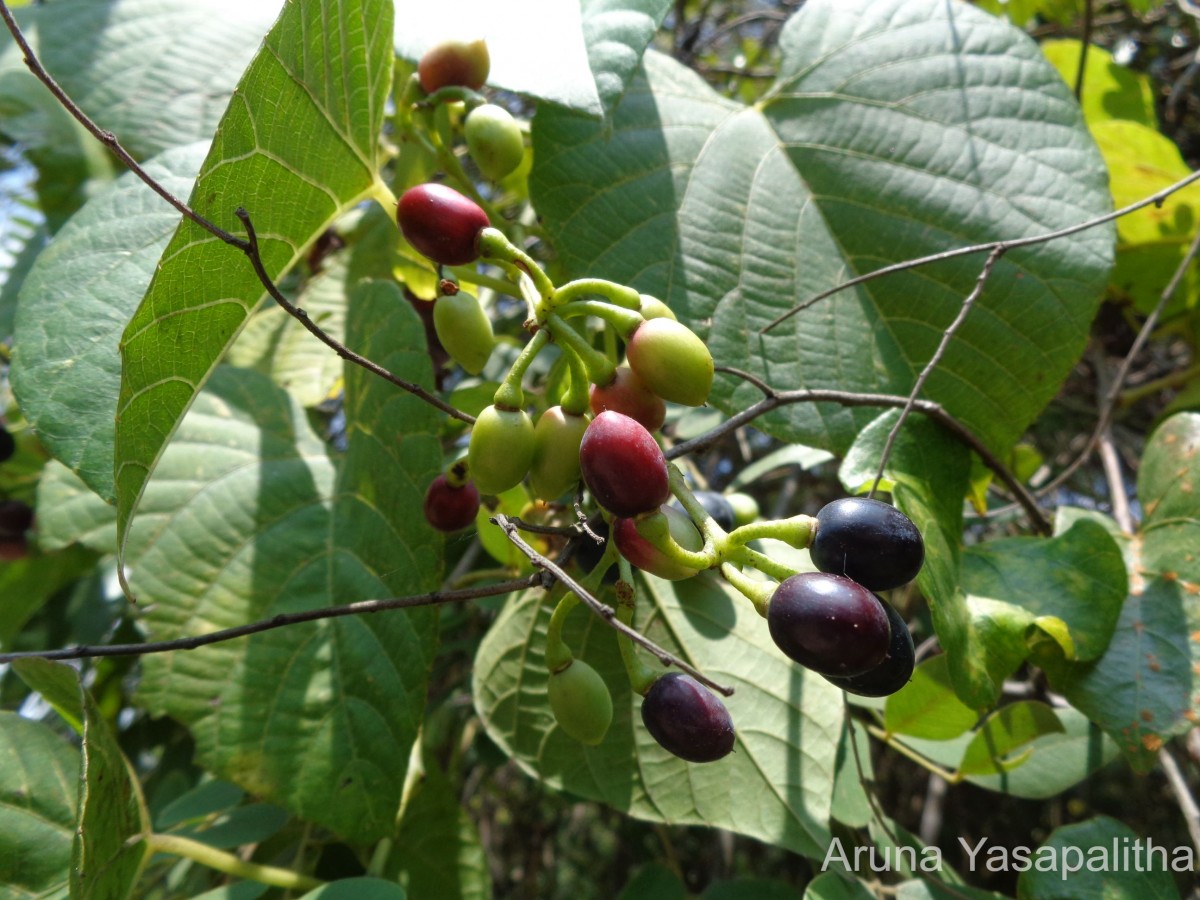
(896,129)
(26,584)
(1144,689)
(296,147)
(777,784)
(74,305)
(1110,91)
(38,786)
(616,33)
(248,517)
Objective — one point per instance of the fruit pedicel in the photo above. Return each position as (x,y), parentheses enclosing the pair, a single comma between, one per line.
(600,438)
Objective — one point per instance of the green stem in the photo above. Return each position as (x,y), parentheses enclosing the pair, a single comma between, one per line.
(625,321)
(577,398)
(795,531)
(600,369)
(468,275)
(454,94)
(558,654)
(614,293)
(494,245)
(641,675)
(230,864)
(655,528)
(509,395)
(709,529)
(762,562)
(757,592)
(927,764)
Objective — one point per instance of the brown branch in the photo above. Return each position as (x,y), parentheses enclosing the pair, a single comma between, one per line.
(329,612)
(1155,199)
(943,345)
(1085,40)
(249,246)
(775,399)
(603,610)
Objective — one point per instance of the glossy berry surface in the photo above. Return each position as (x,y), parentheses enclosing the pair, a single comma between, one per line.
(448,508)
(441,223)
(687,719)
(891,674)
(641,553)
(829,624)
(672,361)
(628,395)
(868,541)
(454,64)
(500,451)
(555,467)
(464,329)
(622,465)
(581,703)
(494,141)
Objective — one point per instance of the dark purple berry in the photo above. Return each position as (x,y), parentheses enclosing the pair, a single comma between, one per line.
(687,719)
(829,624)
(622,465)
(891,674)
(868,541)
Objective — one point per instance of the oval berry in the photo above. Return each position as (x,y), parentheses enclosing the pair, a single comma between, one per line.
(891,674)
(829,624)
(500,451)
(454,64)
(581,703)
(641,553)
(672,361)
(555,467)
(868,541)
(441,223)
(494,141)
(464,330)
(449,508)
(687,719)
(628,395)
(622,465)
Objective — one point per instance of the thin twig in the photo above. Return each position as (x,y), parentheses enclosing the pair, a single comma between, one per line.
(1183,795)
(1153,199)
(775,399)
(984,274)
(603,610)
(1085,40)
(329,612)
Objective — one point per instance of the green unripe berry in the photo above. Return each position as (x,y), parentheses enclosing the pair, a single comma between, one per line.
(501,449)
(494,141)
(581,703)
(745,508)
(555,468)
(672,361)
(464,330)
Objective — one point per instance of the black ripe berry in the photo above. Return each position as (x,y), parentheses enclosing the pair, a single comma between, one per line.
(891,674)
(687,719)
(829,624)
(868,541)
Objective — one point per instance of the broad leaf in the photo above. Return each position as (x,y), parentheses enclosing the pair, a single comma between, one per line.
(896,129)
(616,33)
(775,786)
(38,786)
(1110,91)
(1001,743)
(296,147)
(319,717)
(927,706)
(1143,690)
(26,584)
(74,305)
(57,683)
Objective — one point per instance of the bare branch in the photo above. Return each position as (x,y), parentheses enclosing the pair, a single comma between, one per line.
(603,610)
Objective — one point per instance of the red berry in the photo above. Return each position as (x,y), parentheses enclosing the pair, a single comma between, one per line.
(454,64)
(628,395)
(829,624)
(449,508)
(687,719)
(441,223)
(622,465)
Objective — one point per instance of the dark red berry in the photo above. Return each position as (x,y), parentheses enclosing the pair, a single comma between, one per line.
(454,64)
(641,553)
(829,624)
(622,465)
(687,719)
(891,674)
(868,541)
(449,508)
(16,517)
(441,223)
(627,395)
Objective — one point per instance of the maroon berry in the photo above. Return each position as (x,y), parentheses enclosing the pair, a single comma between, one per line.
(628,395)
(829,624)
(622,465)
(16,517)
(687,719)
(891,674)
(449,508)
(454,64)
(441,223)
(868,541)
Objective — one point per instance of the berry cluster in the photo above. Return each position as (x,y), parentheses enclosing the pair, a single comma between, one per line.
(599,432)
